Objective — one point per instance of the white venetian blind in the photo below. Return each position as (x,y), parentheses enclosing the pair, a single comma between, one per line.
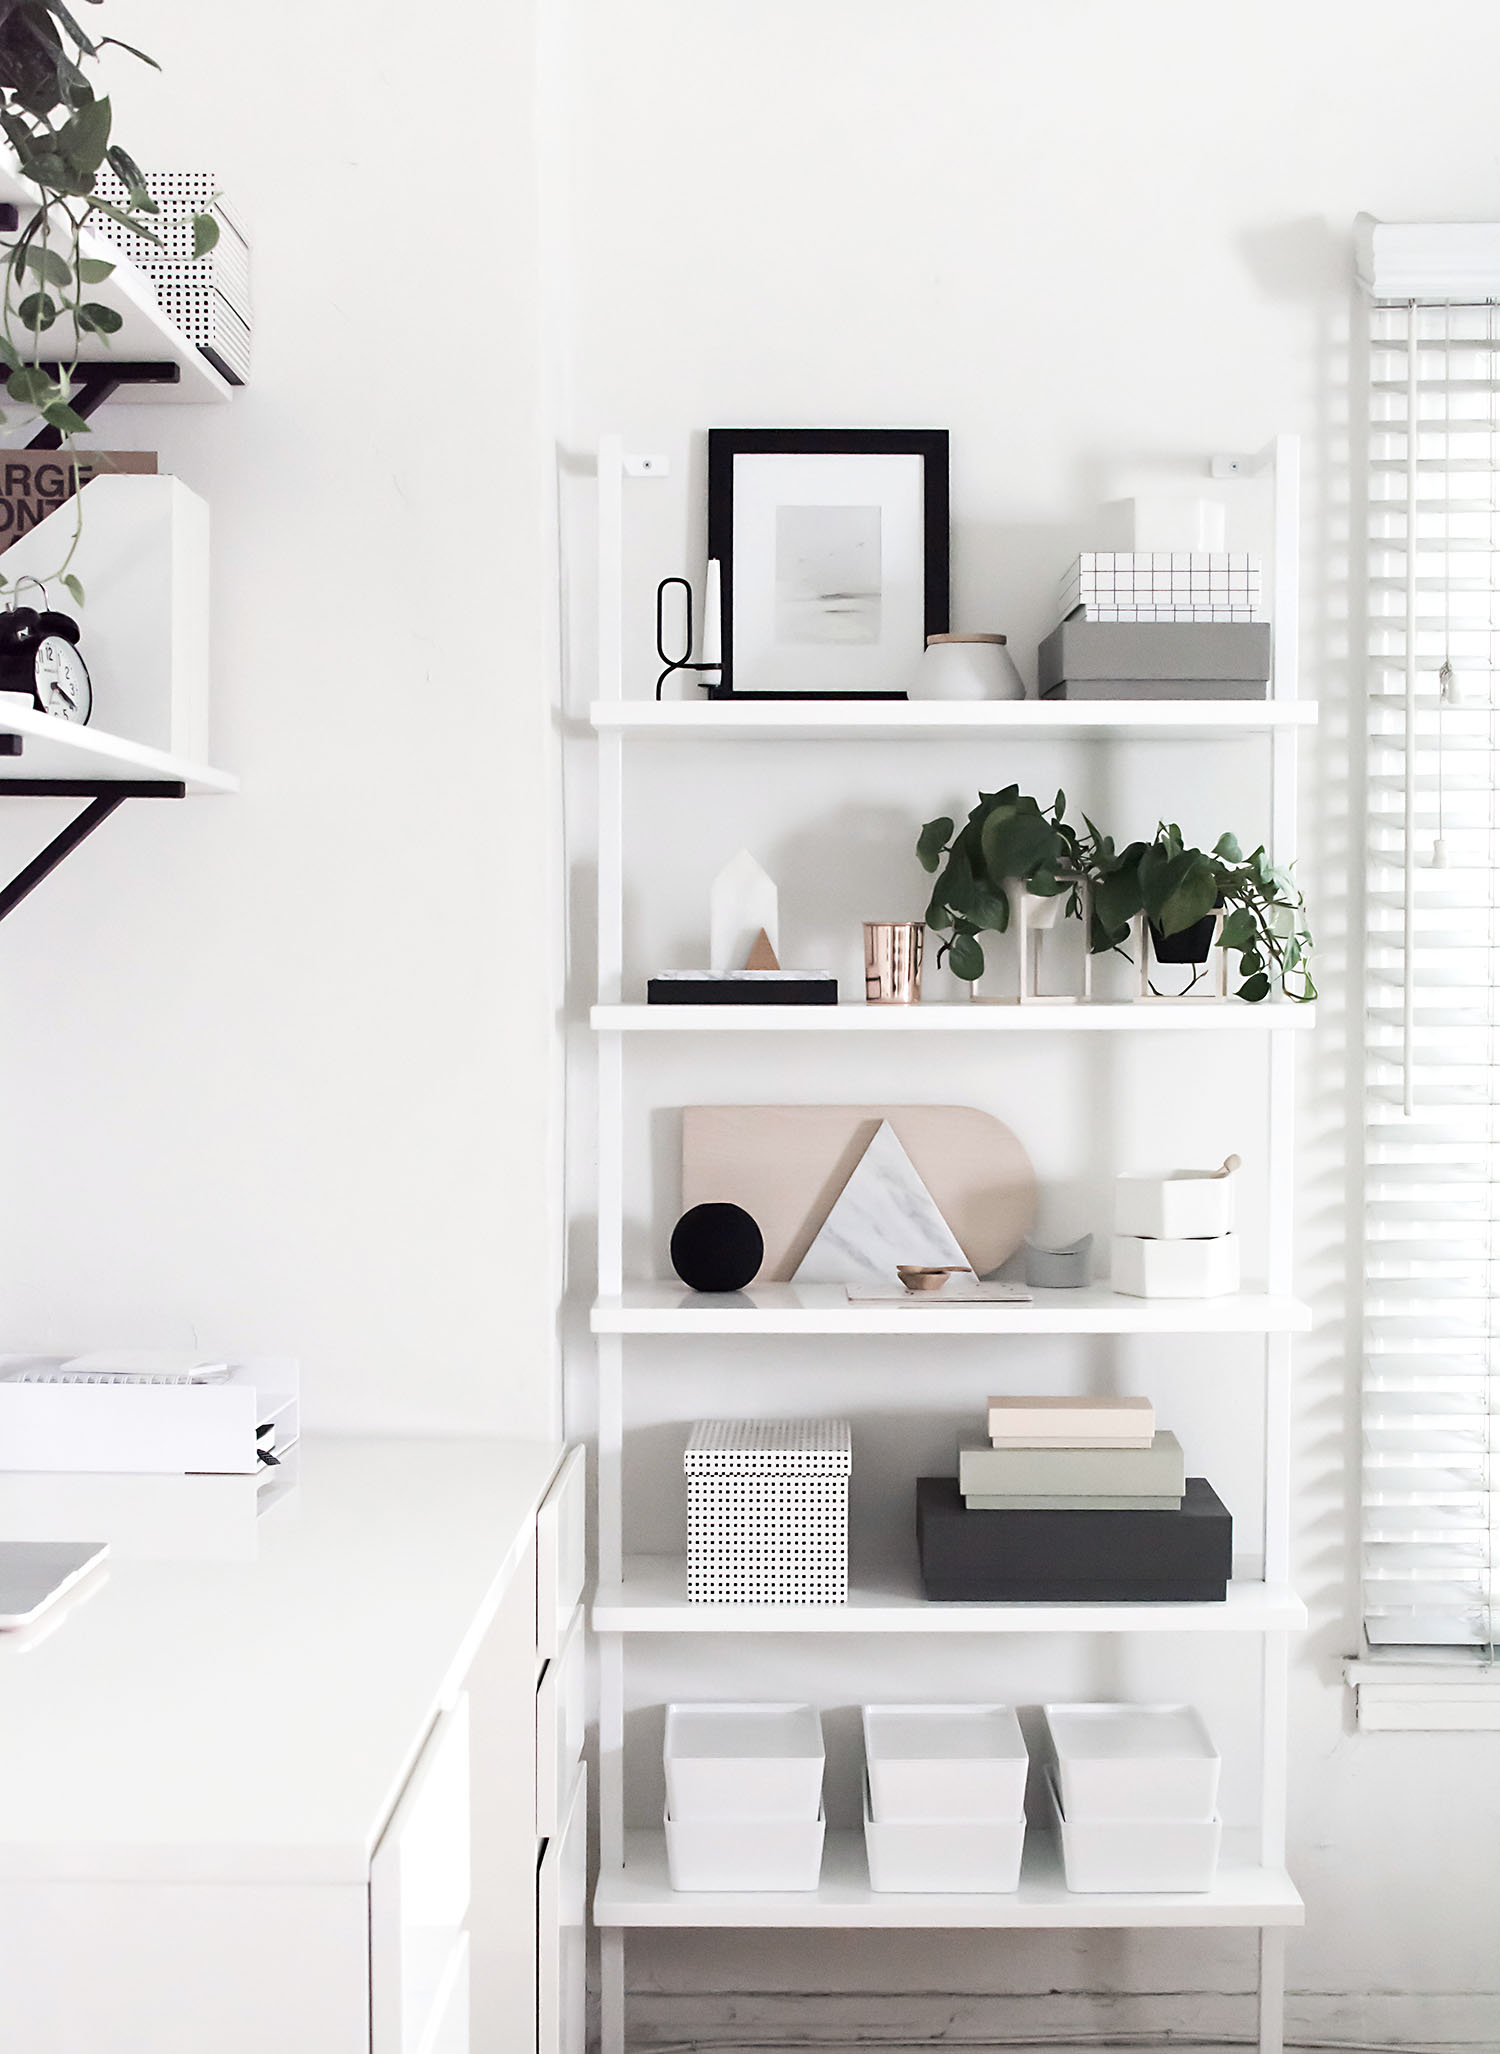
(1432,1077)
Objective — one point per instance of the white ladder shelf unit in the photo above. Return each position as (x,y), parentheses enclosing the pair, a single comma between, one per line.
(646,1595)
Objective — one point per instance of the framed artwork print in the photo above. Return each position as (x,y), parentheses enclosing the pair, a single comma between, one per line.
(832,546)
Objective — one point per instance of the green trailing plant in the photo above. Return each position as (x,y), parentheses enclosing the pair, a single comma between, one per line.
(60,129)
(1175,886)
(1006,838)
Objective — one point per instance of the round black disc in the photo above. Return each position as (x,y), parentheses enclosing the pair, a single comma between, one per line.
(716,1247)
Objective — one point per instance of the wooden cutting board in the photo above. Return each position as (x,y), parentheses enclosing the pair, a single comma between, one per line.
(786,1164)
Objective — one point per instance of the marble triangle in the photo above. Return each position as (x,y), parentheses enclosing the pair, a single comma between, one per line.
(885,1214)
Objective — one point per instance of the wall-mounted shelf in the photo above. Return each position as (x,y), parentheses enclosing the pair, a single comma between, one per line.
(145,336)
(670,1308)
(1244,1894)
(783,720)
(1163,1016)
(652,1598)
(58,752)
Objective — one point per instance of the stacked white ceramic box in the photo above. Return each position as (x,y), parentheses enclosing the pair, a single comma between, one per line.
(945,1797)
(1174,1235)
(1133,1791)
(768,1511)
(744,1806)
(1162,585)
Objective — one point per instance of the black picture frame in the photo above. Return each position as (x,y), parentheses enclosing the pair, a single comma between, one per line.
(725,444)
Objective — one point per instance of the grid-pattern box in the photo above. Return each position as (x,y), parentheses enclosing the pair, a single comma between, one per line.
(209,296)
(1163,585)
(768,1512)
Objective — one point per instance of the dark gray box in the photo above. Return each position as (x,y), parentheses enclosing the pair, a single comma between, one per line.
(1100,659)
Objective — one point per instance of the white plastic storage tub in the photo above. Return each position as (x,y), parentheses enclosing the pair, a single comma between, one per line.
(1176,1269)
(1135,1854)
(933,1762)
(743,1761)
(1133,1762)
(956,1855)
(744,1854)
(1176,1205)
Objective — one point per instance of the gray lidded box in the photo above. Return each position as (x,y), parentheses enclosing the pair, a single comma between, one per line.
(1092,659)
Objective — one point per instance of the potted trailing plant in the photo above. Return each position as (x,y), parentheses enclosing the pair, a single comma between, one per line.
(61,132)
(1007,846)
(1181,891)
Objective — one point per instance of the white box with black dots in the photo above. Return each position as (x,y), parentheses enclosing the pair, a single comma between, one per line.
(768,1512)
(209,296)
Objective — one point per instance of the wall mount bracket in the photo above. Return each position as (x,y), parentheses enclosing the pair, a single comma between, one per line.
(105,796)
(93,384)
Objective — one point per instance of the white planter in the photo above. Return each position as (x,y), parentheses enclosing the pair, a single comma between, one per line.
(744,1854)
(943,1854)
(932,1763)
(1176,1269)
(1136,1854)
(1176,1205)
(1133,1762)
(743,1762)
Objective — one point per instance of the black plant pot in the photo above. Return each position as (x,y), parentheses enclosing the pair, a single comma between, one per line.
(1190,945)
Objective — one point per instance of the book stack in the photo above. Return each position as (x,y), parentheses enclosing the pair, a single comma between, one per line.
(1072,1499)
(1162,585)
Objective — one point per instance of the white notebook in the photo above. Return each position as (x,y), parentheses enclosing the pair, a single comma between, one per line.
(35,1574)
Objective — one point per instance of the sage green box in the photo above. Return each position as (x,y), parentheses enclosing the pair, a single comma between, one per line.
(1093,1473)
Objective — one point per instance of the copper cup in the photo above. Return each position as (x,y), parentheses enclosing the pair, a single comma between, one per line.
(893,962)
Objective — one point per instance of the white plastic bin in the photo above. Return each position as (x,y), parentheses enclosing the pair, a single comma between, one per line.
(1135,1854)
(1133,1762)
(1175,1205)
(743,1761)
(935,1762)
(1176,1269)
(744,1854)
(943,1854)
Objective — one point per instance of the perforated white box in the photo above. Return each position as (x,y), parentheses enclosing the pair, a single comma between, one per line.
(768,1512)
(209,296)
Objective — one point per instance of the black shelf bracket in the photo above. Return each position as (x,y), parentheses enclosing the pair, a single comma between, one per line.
(93,384)
(105,796)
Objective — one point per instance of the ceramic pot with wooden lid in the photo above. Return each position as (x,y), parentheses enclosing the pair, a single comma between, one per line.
(967,667)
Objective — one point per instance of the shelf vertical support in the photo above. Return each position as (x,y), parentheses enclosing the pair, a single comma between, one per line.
(1270,2037)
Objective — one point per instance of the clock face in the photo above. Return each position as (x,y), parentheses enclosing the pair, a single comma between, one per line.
(62,680)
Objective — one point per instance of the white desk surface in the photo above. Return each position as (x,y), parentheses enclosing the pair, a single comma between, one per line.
(254,1721)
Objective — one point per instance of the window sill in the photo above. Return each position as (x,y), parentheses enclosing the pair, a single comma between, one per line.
(1413,1691)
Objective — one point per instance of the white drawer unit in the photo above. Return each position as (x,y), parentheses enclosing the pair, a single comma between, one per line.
(560,1555)
(562,1889)
(419,1898)
(559,1730)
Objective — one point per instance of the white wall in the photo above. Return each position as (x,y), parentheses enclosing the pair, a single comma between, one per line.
(281,1063)
(1097,243)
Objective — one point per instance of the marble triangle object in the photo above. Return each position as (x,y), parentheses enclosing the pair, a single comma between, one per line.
(742,904)
(885,1214)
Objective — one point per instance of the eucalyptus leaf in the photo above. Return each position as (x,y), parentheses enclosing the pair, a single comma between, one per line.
(205,234)
(99,320)
(84,138)
(47,265)
(75,587)
(932,841)
(37,312)
(966,958)
(93,270)
(1255,988)
(32,388)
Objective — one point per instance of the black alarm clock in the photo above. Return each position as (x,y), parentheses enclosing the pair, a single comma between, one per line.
(39,656)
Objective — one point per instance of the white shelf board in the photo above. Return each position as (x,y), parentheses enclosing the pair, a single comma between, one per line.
(58,748)
(653,1599)
(1182,1016)
(146,335)
(790,720)
(823,1309)
(1244,1894)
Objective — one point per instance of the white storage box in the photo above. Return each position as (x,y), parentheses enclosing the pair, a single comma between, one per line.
(929,1763)
(222,1428)
(1176,1205)
(1176,1269)
(768,1512)
(943,1854)
(1133,1762)
(1136,1854)
(744,1854)
(743,1761)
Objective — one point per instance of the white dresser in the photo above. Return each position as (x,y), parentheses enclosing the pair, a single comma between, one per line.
(319,1790)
